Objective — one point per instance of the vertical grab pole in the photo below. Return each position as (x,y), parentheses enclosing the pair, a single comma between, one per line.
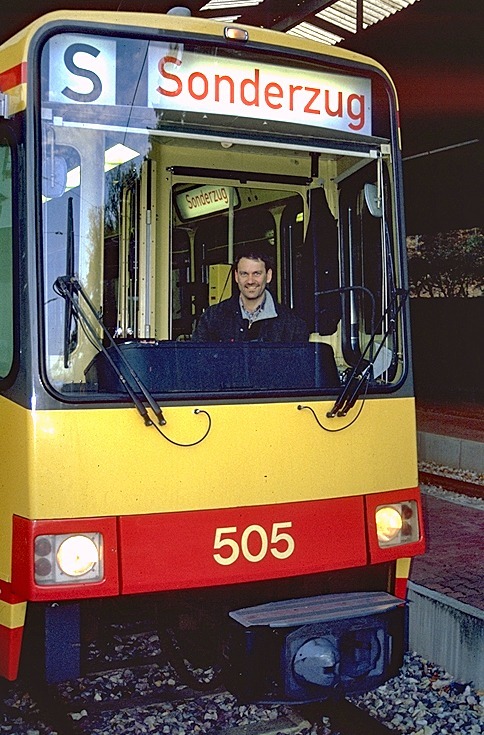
(230,226)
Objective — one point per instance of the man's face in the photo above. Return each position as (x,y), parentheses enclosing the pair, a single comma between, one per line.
(252,278)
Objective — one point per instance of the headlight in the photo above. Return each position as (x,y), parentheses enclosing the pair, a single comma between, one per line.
(397,524)
(77,555)
(388,523)
(68,558)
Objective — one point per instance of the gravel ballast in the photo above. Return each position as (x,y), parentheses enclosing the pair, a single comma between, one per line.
(422,700)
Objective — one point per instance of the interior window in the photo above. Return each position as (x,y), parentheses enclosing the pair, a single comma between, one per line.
(206,241)
(371,298)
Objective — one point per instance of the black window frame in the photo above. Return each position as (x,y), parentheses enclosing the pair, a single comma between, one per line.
(9,138)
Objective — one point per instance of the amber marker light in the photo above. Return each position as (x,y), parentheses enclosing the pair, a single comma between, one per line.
(232,33)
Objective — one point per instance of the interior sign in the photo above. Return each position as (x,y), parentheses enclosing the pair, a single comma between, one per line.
(86,69)
(206,199)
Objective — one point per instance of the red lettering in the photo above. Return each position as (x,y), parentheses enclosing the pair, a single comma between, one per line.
(230,81)
(166,75)
(333,113)
(278,93)
(357,115)
(275,93)
(292,88)
(254,83)
(316,93)
(191,85)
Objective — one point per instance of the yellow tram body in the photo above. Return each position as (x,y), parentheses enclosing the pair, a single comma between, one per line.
(120,488)
(253,480)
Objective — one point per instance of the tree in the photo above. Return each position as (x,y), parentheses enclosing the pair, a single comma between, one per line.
(448,264)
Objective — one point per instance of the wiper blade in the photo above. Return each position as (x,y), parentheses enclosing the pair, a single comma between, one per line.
(70,339)
(70,289)
(362,373)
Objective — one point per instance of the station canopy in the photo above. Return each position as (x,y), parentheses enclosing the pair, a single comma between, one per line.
(326,21)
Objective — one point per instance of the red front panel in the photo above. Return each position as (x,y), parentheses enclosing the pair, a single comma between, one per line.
(225,546)
(10,646)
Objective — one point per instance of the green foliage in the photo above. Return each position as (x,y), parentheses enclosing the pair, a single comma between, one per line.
(447,264)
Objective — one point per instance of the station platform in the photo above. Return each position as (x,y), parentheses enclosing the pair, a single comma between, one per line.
(446,588)
(451,434)
(453,564)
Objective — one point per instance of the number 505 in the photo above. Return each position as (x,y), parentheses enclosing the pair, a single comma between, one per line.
(280,544)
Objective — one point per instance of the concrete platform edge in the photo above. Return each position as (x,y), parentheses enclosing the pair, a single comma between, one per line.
(451,451)
(446,600)
(448,633)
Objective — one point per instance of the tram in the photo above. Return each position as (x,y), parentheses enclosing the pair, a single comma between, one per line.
(261,492)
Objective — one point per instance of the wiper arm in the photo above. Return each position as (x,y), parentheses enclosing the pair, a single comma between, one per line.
(362,373)
(351,391)
(70,289)
(69,341)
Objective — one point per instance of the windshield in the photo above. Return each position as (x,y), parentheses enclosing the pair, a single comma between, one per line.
(211,248)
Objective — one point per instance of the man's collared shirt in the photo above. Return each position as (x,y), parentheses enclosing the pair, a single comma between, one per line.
(265,310)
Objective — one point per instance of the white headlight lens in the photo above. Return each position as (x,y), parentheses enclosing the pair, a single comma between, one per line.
(77,555)
(397,523)
(388,523)
(68,558)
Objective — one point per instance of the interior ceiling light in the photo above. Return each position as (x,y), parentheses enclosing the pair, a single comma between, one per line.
(227,18)
(117,155)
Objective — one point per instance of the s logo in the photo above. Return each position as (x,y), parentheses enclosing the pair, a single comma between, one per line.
(82,69)
(71,65)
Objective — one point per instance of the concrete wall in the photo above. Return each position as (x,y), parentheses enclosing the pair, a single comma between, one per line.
(447,632)
(451,451)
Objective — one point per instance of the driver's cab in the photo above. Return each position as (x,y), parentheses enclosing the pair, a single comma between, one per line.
(144,212)
(153,242)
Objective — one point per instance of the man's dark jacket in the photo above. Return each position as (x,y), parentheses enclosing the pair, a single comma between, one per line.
(223,322)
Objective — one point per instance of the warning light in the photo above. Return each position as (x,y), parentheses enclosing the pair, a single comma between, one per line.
(232,33)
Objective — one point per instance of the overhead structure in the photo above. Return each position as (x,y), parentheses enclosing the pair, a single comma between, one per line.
(326,21)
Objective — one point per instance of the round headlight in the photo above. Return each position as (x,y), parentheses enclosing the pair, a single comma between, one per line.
(77,555)
(388,523)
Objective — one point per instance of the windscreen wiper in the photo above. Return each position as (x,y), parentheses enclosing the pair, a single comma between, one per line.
(70,340)
(71,290)
(362,373)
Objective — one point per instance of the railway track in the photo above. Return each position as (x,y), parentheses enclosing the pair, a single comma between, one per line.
(53,715)
(144,695)
(470,489)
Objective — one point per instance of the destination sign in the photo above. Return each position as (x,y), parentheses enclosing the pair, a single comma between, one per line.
(95,70)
